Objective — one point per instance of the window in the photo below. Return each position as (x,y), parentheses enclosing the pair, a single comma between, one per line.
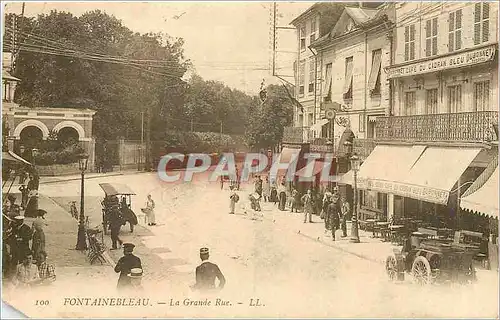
(454,98)
(302,32)
(481,22)
(301,120)
(431,40)
(312,74)
(481,96)
(302,71)
(410,42)
(348,78)
(310,119)
(328,83)
(455,31)
(312,37)
(374,80)
(431,101)
(410,103)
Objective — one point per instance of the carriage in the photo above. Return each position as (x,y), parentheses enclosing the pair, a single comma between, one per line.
(117,199)
(433,261)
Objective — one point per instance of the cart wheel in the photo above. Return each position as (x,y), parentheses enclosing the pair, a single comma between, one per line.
(391,267)
(421,270)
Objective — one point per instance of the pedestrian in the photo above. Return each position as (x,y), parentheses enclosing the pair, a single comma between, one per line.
(326,201)
(295,200)
(115,224)
(26,273)
(46,270)
(206,273)
(150,211)
(128,215)
(334,215)
(21,235)
(308,202)
(233,199)
(38,240)
(346,211)
(125,264)
(258,186)
(24,196)
(32,202)
(282,196)
(266,189)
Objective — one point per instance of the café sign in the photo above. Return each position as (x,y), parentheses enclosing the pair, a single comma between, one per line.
(405,190)
(462,59)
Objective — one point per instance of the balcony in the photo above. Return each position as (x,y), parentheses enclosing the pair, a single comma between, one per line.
(297,135)
(363,147)
(468,127)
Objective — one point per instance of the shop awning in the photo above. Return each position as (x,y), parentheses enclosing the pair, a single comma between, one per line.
(309,170)
(436,172)
(11,156)
(485,199)
(319,125)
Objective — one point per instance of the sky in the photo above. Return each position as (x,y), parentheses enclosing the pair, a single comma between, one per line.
(226,41)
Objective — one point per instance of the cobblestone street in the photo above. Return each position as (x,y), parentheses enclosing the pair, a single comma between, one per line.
(276,259)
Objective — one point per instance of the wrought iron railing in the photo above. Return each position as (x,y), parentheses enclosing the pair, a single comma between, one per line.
(457,127)
(363,147)
(297,135)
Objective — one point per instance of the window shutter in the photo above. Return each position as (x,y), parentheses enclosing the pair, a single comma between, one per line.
(407,51)
(477,12)
(458,16)
(458,40)
(412,50)
(412,32)
(434,27)
(477,32)
(434,45)
(451,21)
(428,28)
(451,43)
(428,47)
(407,34)
(486,10)
(486,22)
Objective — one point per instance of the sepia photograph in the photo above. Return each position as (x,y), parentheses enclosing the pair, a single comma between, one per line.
(250,159)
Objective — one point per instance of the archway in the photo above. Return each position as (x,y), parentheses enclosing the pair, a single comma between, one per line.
(31,123)
(31,137)
(71,124)
(67,136)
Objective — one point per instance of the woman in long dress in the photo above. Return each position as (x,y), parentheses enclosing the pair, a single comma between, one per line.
(282,197)
(38,245)
(150,211)
(266,189)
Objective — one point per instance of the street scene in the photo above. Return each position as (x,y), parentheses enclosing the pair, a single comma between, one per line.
(371,192)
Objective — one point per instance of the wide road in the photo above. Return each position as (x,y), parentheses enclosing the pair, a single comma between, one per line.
(265,259)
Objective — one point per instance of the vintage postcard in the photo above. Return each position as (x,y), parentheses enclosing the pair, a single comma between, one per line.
(250,159)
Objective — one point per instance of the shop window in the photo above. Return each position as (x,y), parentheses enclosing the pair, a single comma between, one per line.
(302,32)
(431,31)
(312,75)
(410,103)
(410,42)
(431,101)
(481,22)
(348,78)
(302,71)
(481,96)
(455,31)
(454,99)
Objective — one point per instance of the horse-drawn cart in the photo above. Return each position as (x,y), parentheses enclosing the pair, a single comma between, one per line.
(112,205)
(433,261)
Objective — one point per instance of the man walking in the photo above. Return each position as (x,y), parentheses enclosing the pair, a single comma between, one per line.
(126,263)
(345,215)
(307,200)
(115,223)
(207,272)
(333,213)
(233,198)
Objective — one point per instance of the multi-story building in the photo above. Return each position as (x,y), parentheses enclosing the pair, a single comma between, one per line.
(440,133)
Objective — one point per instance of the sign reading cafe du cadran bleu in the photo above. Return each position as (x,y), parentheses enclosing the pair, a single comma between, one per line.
(470,57)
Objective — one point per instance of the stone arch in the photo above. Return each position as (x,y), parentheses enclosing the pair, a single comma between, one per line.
(71,124)
(31,123)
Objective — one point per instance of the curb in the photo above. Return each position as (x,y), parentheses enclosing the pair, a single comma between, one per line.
(93,177)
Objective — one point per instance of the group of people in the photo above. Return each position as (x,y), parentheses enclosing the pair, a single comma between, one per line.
(23,254)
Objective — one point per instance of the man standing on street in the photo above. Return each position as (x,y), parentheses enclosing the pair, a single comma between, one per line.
(206,273)
(233,199)
(126,263)
(307,200)
(333,213)
(345,215)
(115,223)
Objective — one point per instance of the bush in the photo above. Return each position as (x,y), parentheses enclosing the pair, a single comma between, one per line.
(67,155)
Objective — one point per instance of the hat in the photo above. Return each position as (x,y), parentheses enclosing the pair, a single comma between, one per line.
(128,246)
(19,218)
(135,273)
(204,251)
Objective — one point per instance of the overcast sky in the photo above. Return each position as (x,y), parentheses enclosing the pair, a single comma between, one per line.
(227,41)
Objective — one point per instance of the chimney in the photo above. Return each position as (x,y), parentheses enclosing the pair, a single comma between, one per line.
(360,4)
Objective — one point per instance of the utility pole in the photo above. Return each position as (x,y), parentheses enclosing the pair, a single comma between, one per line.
(141,155)
(148,139)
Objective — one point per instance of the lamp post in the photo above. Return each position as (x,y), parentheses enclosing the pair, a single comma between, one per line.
(81,243)
(329,148)
(355,164)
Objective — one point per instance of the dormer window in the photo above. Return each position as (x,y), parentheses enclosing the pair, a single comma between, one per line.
(349,26)
(312,37)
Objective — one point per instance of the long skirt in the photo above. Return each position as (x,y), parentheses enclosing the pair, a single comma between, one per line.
(282,200)
(150,214)
(274,196)
(232,205)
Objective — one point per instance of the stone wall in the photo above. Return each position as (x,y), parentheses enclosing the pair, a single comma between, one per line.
(58,169)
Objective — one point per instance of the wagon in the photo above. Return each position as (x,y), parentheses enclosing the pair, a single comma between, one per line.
(433,261)
(118,200)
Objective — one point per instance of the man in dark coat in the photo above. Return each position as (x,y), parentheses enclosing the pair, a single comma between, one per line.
(126,263)
(206,273)
(20,240)
(115,223)
(334,214)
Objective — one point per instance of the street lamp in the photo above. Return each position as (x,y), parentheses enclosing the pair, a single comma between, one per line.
(355,164)
(81,243)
